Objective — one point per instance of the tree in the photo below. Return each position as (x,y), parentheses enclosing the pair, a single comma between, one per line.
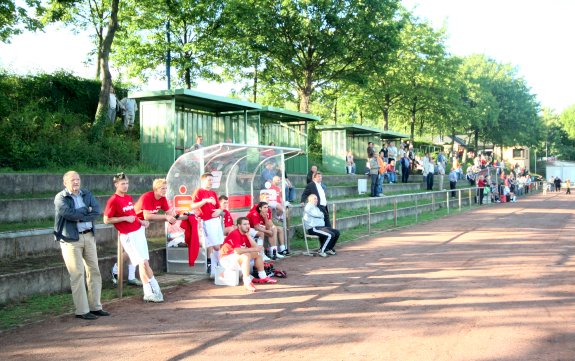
(312,44)
(94,13)
(14,18)
(192,43)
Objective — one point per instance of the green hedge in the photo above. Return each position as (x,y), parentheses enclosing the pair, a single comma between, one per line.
(46,121)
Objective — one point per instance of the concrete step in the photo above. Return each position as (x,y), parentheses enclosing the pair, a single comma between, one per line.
(18,285)
(28,209)
(39,242)
(35,183)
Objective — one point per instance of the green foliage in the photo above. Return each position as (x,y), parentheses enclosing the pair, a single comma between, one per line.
(46,122)
(14,18)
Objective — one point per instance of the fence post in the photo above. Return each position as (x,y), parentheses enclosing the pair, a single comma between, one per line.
(395,212)
(447,201)
(369,216)
(334,216)
(459,198)
(120,261)
(416,209)
(470,204)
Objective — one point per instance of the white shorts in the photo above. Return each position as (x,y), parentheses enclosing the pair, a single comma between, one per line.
(136,246)
(253,232)
(213,232)
(231,262)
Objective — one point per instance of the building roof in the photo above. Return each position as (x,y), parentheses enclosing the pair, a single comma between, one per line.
(197,100)
(284,115)
(357,130)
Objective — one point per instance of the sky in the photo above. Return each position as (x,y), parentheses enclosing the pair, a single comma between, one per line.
(532,35)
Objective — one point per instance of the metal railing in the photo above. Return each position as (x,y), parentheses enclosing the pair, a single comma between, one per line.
(466,198)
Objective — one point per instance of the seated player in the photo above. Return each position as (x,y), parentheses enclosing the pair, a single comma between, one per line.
(259,217)
(237,252)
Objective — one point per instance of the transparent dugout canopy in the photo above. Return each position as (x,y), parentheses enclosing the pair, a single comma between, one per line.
(236,170)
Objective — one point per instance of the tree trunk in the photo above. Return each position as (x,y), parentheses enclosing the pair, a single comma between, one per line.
(305,94)
(335,111)
(105,76)
(386,112)
(412,120)
(255,90)
(188,78)
(99,53)
(476,135)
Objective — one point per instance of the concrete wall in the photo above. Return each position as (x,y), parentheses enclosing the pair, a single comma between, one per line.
(56,279)
(41,241)
(17,183)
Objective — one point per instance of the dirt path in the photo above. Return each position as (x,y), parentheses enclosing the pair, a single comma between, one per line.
(492,284)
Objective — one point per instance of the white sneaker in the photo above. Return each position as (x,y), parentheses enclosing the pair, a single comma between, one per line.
(278,255)
(153,298)
(266,258)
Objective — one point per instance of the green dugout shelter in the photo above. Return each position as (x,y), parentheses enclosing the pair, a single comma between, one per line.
(170,120)
(337,139)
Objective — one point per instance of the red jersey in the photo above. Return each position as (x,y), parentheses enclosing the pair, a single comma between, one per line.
(119,206)
(205,212)
(481,183)
(275,195)
(256,218)
(148,202)
(228,220)
(234,240)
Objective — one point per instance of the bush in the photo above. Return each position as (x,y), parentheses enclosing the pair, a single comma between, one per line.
(46,121)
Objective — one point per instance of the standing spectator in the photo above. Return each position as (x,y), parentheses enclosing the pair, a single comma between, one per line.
(199,142)
(390,170)
(316,187)
(210,212)
(391,152)
(441,172)
(112,106)
(74,227)
(453,181)
(429,170)
(381,175)
(481,185)
(568,186)
(441,159)
(120,212)
(370,149)
(349,163)
(405,163)
(314,225)
(384,152)
(128,106)
(289,188)
(268,174)
(373,174)
(557,183)
(310,174)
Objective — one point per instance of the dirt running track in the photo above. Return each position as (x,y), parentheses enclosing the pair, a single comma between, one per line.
(492,284)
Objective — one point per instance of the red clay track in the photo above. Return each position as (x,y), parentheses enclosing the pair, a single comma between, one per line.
(492,284)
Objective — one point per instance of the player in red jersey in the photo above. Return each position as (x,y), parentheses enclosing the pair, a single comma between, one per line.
(238,250)
(120,212)
(228,220)
(147,208)
(209,212)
